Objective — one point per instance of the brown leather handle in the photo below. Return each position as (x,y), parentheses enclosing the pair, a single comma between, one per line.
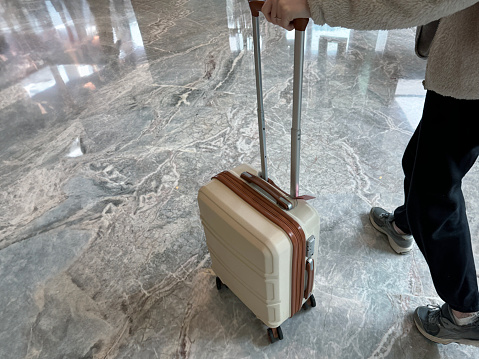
(257,5)
(280,199)
(309,286)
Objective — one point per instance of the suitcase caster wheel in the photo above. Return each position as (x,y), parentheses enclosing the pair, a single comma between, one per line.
(275,334)
(219,283)
(310,302)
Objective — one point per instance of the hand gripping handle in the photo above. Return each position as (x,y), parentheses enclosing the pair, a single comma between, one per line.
(256,5)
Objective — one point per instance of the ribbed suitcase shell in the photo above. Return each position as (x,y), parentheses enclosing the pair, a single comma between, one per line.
(251,255)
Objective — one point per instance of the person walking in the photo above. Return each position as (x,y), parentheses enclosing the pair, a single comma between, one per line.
(443,148)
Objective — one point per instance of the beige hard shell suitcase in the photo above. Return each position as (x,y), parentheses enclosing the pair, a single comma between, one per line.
(261,239)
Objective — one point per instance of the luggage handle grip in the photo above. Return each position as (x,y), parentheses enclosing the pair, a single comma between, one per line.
(310,277)
(280,199)
(256,5)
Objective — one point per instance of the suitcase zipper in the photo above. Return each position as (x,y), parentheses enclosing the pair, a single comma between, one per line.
(285,222)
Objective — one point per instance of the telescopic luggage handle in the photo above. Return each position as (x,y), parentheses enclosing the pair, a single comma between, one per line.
(300,27)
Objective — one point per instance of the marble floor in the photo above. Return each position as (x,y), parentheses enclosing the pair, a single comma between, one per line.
(115,112)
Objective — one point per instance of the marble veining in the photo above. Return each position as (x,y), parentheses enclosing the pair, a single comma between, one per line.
(113,113)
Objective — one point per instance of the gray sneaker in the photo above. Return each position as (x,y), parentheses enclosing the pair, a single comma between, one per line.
(383,222)
(437,324)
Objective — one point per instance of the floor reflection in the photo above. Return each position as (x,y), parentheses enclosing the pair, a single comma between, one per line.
(114,112)
(56,42)
(367,63)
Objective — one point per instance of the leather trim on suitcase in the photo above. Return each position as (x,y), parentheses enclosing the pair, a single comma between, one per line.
(285,222)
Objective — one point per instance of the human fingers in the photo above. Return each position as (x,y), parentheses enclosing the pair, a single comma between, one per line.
(266,10)
(275,12)
(288,25)
(283,18)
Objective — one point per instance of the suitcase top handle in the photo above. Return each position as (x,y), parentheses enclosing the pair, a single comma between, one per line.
(280,199)
(256,5)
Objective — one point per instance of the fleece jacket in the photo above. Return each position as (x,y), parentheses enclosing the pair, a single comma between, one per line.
(453,63)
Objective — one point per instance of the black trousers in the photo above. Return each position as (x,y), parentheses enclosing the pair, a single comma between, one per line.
(443,148)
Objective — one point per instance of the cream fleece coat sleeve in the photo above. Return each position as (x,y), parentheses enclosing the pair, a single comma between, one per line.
(383,14)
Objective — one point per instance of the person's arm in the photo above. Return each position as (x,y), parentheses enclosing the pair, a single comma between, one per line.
(363,14)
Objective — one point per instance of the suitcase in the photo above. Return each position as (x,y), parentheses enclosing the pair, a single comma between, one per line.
(261,239)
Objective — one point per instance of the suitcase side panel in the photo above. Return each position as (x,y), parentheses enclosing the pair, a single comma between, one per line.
(266,207)
(305,214)
(251,255)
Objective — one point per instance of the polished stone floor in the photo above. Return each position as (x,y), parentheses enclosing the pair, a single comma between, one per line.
(115,112)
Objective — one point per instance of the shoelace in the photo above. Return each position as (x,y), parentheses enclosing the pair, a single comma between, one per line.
(435,314)
(433,318)
(388,216)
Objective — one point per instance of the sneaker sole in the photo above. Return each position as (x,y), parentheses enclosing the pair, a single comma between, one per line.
(441,340)
(429,336)
(397,249)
